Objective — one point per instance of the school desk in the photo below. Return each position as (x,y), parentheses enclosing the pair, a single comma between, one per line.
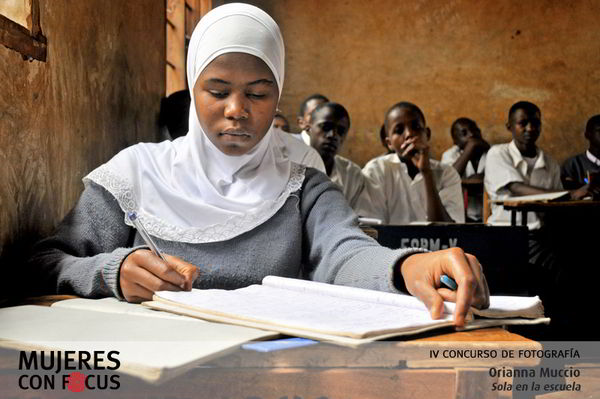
(405,368)
(472,187)
(584,210)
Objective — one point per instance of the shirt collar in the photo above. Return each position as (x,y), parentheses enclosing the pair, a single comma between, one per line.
(517,157)
(592,158)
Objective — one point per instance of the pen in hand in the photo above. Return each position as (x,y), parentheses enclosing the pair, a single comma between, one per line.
(147,239)
(448,282)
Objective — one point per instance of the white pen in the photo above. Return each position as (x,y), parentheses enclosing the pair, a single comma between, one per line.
(140,228)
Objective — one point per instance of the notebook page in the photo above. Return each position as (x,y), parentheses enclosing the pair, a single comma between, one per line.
(512,306)
(303,310)
(359,294)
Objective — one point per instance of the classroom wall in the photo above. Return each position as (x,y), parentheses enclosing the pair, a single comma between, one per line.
(98,92)
(452,58)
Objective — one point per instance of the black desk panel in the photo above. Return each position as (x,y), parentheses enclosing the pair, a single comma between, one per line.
(501,250)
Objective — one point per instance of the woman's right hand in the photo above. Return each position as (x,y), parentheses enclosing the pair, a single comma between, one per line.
(143,273)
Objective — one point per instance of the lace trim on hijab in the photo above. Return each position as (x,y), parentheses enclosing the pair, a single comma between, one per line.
(120,188)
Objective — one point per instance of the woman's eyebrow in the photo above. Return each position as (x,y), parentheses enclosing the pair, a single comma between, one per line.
(261,81)
(217,80)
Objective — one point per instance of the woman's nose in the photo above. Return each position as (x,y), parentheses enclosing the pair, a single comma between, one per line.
(236,107)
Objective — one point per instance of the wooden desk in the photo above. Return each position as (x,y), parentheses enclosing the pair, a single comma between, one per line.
(472,187)
(399,369)
(558,207)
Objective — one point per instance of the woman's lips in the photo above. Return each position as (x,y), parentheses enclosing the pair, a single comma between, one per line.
(235,133)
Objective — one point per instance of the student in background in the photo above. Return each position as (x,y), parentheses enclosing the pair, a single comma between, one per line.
(555,260)
(467,156)
(281,122)
(521,167)
(328,127)
(575,170)
(306,108)
(407,186)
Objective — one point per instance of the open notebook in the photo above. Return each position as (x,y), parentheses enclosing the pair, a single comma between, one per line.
(154,346)
(345,315)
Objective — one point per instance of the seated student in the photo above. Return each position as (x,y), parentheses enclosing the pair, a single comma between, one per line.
(407,186)
(521,167)
(281,122)
(306,108)
(574,171)
(467,155)
(328,127)
(224,200)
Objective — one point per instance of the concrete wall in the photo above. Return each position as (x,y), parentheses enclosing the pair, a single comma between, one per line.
(451,57)
(98,92)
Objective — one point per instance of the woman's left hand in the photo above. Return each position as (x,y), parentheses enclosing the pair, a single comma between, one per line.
(422,272)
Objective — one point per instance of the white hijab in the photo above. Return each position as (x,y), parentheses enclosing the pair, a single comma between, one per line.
(188,190)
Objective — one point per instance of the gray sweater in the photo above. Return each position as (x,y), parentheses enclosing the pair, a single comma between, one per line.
(314,235)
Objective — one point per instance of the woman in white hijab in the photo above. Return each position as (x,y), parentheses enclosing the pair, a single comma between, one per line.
(225,201)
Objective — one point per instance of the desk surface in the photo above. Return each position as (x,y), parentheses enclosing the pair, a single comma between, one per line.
(539,206)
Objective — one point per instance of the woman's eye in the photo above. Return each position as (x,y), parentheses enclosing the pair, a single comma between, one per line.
(218,94)
(255,95)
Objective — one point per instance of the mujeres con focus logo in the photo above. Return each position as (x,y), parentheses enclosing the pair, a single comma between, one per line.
(72,370)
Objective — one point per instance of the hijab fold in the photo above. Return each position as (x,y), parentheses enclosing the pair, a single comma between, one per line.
(187,189)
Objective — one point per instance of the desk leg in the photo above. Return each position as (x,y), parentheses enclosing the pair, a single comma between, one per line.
(523,218)
(474,383)
(513,217)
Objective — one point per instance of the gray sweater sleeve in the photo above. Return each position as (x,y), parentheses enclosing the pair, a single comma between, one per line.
(84,255)
(337,250)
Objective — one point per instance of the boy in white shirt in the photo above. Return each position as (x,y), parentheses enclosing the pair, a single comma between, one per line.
(328,127)
(467,156)
(520,167)
(407,186)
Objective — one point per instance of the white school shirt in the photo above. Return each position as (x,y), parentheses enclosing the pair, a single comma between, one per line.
(305,137)
(395,198)
(504,165)
(475,206)
(348,176)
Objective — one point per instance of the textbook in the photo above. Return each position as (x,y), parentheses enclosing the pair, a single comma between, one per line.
(153,346)
(546,197)
(339,314)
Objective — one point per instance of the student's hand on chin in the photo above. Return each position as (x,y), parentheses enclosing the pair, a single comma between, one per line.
(422,272)
(143,273)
